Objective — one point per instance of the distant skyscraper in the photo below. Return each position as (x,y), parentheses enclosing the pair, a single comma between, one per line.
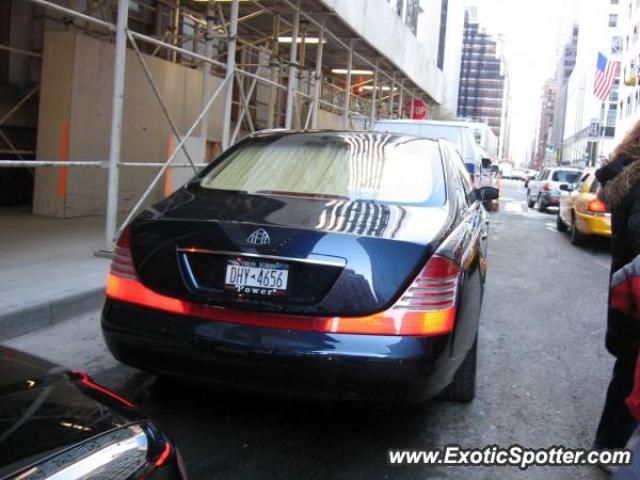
(483,88)
(547,121)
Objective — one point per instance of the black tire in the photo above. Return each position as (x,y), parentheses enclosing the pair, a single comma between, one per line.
(542,207)
(463,387)
(560,224)
(576,236)
(530,202)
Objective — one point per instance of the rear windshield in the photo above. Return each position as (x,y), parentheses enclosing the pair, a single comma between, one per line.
(566,176)
(367,167)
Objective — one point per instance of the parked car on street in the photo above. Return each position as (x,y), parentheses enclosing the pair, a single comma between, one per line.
(544,189)
(59,424)
(581,212)
(327,264)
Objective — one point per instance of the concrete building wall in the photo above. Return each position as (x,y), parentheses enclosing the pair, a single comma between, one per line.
(75,119)
(453,55)
(377,23)
(77,83)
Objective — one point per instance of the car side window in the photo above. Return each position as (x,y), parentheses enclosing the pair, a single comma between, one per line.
(582,182)
(594,185)
(465,179)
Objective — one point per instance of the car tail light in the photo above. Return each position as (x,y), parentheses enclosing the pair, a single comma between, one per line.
(164,455)
(426,308)
(546,187)
(122,264)
(597,206)
(88,382)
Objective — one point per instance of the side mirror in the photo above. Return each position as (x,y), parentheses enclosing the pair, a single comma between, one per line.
(565,187)
(487,194)
(486,163)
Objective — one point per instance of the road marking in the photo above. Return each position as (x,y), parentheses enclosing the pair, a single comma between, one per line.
(515,207)
(551,227)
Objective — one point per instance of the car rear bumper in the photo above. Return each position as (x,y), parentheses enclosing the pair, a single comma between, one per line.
(550,198)
(300,363)
(599,225)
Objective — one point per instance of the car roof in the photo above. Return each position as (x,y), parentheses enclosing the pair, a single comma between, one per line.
(443,123)
(571,169)
(281,133)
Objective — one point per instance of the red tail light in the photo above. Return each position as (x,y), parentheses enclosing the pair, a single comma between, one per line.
(164,455)
(122,264)
(597,206)
(86,380)
(546,187)
(426,308)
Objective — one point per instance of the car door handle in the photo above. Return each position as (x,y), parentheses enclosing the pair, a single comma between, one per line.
(484,236)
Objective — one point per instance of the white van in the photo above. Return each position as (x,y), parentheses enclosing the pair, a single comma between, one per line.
(459,134)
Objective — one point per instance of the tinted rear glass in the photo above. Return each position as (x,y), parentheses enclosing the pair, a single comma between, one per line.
(566,176)
(366,167)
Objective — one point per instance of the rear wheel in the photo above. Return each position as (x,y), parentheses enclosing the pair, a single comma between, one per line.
(463,387)
(577,237)
(560,224)
(542,206)
(530,201)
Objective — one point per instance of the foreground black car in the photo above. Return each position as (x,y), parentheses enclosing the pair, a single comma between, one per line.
(60,424)
(325,264)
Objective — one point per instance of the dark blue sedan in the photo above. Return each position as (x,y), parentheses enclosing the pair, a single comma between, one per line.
(328,264)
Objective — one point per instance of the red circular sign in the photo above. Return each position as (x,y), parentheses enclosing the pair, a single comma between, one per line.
(419,108)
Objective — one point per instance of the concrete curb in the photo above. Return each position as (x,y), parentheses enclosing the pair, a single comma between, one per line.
(49,312)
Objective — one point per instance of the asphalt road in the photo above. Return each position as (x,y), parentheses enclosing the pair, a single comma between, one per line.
(543,372)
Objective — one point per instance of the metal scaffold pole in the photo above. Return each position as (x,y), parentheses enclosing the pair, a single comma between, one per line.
(374,95)
(116,122)
(317,85)
(293,71)
(347,88)
(230,71)
(206,73)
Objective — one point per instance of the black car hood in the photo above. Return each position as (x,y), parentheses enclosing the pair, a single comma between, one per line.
(45,409)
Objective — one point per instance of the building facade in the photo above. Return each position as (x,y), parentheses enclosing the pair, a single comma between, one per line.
(590,124)
(483,91)
(564,69)
(629,45)
(544,146)
(56,60)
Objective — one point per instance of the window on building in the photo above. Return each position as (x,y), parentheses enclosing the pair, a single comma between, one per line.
(612,115)
(413,12)
(443,32)
(613,20)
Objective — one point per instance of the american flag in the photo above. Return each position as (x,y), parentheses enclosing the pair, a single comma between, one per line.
(606,73)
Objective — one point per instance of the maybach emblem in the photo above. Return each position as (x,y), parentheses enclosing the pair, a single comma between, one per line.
(259,237)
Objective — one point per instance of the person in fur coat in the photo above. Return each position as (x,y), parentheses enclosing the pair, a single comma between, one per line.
(620,190)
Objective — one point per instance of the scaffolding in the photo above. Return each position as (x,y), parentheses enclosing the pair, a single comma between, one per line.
(246,43)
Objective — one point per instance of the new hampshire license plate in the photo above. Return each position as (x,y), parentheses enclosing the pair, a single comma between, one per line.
(256,277)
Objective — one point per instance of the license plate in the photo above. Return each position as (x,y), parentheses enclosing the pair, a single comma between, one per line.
(256,277)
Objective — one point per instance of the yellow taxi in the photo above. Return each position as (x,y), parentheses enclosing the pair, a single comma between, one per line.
(581,212)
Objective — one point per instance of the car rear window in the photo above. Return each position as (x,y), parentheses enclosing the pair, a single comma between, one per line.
(369,167)
(567,176)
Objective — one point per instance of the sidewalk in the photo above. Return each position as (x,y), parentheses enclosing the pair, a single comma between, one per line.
(47,269)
